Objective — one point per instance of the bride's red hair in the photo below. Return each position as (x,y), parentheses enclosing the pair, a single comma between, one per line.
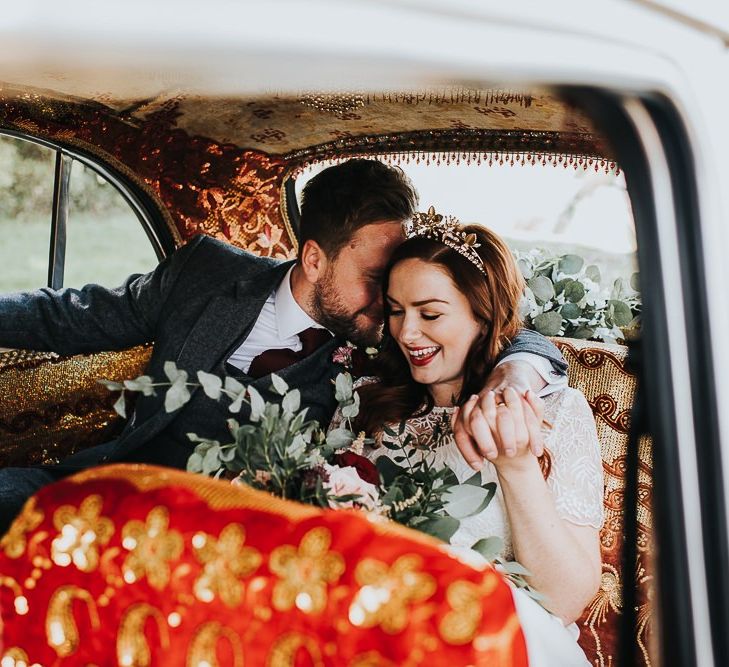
(494,295)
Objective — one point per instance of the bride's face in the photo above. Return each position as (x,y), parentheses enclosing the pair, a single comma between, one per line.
(434,325)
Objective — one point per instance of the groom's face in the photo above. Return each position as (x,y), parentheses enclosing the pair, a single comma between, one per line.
(348,296)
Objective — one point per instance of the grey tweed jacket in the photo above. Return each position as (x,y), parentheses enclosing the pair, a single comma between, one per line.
(197,306)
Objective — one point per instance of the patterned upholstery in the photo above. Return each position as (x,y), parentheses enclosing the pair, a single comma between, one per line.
(598,370)
(74,412)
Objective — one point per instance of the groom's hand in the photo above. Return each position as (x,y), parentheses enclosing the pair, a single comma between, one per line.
(481,432)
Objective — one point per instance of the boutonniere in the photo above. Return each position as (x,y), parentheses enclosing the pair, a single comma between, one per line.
(352,357)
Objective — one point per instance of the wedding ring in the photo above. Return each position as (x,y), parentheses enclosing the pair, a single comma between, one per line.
(501,405)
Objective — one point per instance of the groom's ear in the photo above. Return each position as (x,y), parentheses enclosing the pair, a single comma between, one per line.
(313,261)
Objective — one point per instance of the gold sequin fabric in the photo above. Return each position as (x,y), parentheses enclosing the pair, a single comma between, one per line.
(141,566)
(599,371)
(53,407)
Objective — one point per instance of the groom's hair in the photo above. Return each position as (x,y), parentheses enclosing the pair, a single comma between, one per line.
(342,199)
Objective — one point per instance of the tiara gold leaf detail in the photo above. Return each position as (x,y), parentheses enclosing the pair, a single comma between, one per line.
(446,230)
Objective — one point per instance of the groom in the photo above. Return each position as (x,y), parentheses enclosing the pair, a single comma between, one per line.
(216,308)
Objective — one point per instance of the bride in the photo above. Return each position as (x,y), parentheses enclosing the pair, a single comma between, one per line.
(452,302)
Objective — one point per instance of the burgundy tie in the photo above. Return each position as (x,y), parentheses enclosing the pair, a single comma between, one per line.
(270,361)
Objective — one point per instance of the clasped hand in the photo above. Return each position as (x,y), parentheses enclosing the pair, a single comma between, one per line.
(500,424)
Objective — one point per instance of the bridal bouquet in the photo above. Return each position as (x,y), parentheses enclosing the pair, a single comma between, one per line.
(282,452)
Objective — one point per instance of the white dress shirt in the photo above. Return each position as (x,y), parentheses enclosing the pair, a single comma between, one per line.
(277,327)
(282,318)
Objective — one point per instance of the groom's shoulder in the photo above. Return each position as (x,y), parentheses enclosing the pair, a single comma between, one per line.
(223,256)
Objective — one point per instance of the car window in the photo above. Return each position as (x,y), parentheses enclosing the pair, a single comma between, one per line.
(105,242)
(26,194)
(102,240)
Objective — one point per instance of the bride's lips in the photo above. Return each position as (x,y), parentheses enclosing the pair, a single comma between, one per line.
(422,356)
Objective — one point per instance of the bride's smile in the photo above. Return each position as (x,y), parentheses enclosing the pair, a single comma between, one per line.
(433,324)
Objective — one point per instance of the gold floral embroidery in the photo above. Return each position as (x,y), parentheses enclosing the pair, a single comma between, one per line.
(387,592)
(203,647)
(225,561)
(459,625)
(61,630)
(152,546)
(15,541)
(82,531)
(15,657)
(131,643)
(305,572)
(285,649)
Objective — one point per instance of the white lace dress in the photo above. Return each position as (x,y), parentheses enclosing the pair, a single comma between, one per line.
(576,482)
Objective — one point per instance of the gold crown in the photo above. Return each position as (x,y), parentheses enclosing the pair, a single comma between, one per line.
(446,230)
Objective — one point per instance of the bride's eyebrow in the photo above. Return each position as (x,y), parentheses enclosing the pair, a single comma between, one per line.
(427,301)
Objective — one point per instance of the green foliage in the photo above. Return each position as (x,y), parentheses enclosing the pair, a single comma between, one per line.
(563,297)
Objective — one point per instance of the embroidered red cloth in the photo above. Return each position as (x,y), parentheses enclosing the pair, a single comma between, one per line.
(139,565)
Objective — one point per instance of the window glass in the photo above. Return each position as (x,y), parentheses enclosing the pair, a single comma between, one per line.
(105,240)
(26,199)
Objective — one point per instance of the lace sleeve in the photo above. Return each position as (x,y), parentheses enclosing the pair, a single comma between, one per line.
(576,478)
(337,419)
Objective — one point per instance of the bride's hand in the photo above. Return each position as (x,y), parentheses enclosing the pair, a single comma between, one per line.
(503,429)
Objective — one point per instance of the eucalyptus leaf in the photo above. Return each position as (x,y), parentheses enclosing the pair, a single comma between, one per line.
(548,324)
(291,401)
(297,448)
(178,394)
(593,273)
(279,384)
(111,385)
(172,372)
(194,463)
(525,268)
(542,288)
(212,385)
(232,385)
(635,281)
(237,402)
(120,406)
(339,437)
(583,332)
(474,479)
(570,264)
(227,454)
(443,527)
(489,547)
(512,567)
(621,313)
(258,405)
(570,311)
(351,410)
(143,384)
(574,292)
(343,388)
(211,460)
(466,500)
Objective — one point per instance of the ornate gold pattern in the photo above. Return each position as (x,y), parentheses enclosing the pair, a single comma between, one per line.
(225,561)
(14,542)
(284,650)
(72,412)
(305,571)
(61,630)
(132,649)
(151,546)
(204,644)
(387,592)
(459,625)
(82,532)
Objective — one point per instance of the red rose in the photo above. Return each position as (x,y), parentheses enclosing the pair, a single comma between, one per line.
(366,470)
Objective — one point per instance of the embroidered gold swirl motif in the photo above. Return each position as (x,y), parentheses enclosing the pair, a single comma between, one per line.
(202,651)
(459,625)
(61,630)
(386,593)
(285,649)
(132,649)
(152,546)
(15,657)
(82,532)
(305,572)
(225,560)
(14,542)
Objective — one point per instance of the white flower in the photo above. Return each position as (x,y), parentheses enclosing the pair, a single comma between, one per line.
(346,481)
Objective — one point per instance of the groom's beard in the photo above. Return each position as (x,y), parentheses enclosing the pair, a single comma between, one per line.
(362,327)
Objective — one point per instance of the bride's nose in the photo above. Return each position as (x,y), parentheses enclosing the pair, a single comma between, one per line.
(410,331)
